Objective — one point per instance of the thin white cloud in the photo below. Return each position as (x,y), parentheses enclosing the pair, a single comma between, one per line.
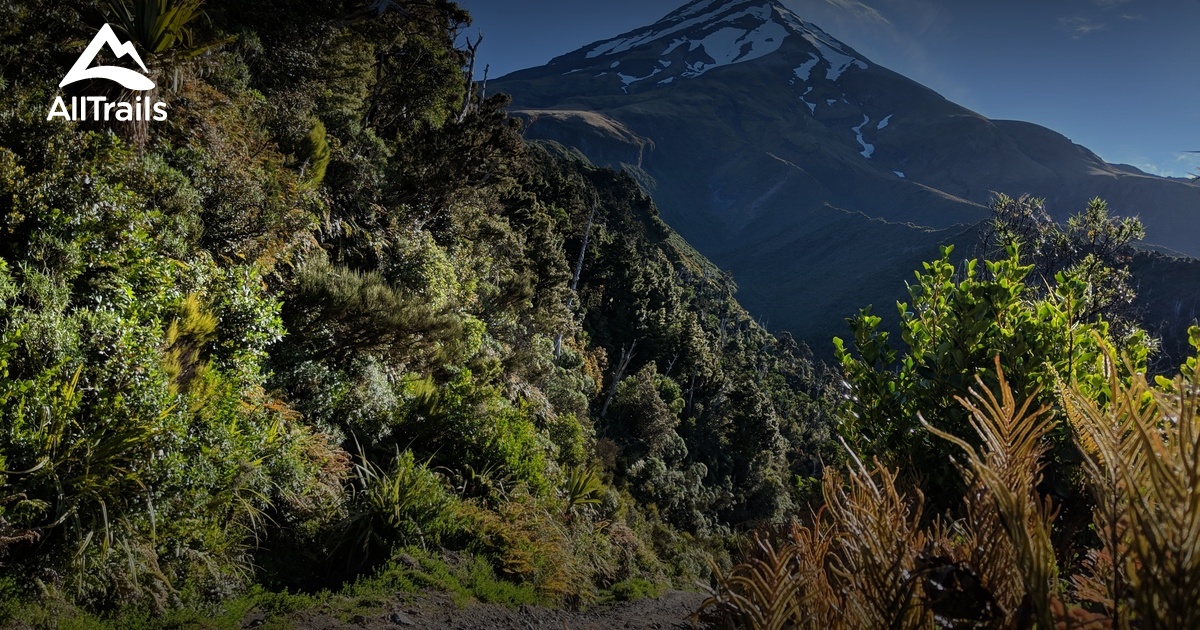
(1111,4)
(860,10)
(899,40)
(1079,26)
(920,16)
(1184,164)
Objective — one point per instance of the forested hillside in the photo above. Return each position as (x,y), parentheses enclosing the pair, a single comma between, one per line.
(335,312)
(334,331)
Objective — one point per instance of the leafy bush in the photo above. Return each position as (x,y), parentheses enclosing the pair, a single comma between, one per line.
(635,589)
(955,326)
(1093,248)
(149,457)
(468,425)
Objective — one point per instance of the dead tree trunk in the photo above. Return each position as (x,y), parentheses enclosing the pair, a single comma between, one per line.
(622,365)
(691,390)
(671,365)
(587,235)
(473,50)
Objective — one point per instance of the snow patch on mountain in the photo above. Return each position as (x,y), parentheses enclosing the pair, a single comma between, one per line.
(868,149)
(812,107)
(838,60)
(805,70)
(646,36)
(831,50)
(720,33)
(734,45)
(628,80)
(676,43)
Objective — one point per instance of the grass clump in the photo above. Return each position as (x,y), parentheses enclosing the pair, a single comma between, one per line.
(635,589)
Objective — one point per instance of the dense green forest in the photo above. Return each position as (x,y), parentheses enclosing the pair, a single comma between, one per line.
(333,326)
(335,308)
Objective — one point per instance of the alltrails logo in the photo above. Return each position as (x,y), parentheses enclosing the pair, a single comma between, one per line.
(99,108)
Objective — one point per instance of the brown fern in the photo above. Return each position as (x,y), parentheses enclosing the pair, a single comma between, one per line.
(1143,450)
(987,548)
(856,567)
(1008,466)
(874,561)
(1104,438)
(760,593)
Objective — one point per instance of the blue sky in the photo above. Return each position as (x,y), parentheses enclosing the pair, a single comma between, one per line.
(1121,77)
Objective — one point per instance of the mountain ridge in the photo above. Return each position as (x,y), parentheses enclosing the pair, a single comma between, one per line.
(751,156)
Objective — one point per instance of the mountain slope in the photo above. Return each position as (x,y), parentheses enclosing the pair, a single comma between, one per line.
(789,158)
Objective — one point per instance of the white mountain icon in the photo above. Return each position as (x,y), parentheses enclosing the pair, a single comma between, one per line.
(126,77)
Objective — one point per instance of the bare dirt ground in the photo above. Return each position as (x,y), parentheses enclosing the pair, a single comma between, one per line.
(439,612)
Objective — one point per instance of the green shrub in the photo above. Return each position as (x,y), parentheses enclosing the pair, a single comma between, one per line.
(951,332)
(402,504)
(322,249)
(151,461)
(470,425)
(635,589)
(315,155)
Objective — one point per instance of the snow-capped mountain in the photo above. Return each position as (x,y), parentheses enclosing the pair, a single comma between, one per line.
(707,35)
(788,157)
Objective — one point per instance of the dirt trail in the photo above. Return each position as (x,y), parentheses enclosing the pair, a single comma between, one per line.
(438,612)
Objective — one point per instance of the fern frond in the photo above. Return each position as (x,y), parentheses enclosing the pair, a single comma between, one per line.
(1145,468)
(1008,467)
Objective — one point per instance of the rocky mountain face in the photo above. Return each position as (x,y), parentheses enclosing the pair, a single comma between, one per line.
(819,178)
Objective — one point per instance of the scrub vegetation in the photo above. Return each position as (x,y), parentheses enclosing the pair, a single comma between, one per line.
(334,331)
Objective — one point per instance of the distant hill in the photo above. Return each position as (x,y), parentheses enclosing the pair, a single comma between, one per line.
(819,178)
